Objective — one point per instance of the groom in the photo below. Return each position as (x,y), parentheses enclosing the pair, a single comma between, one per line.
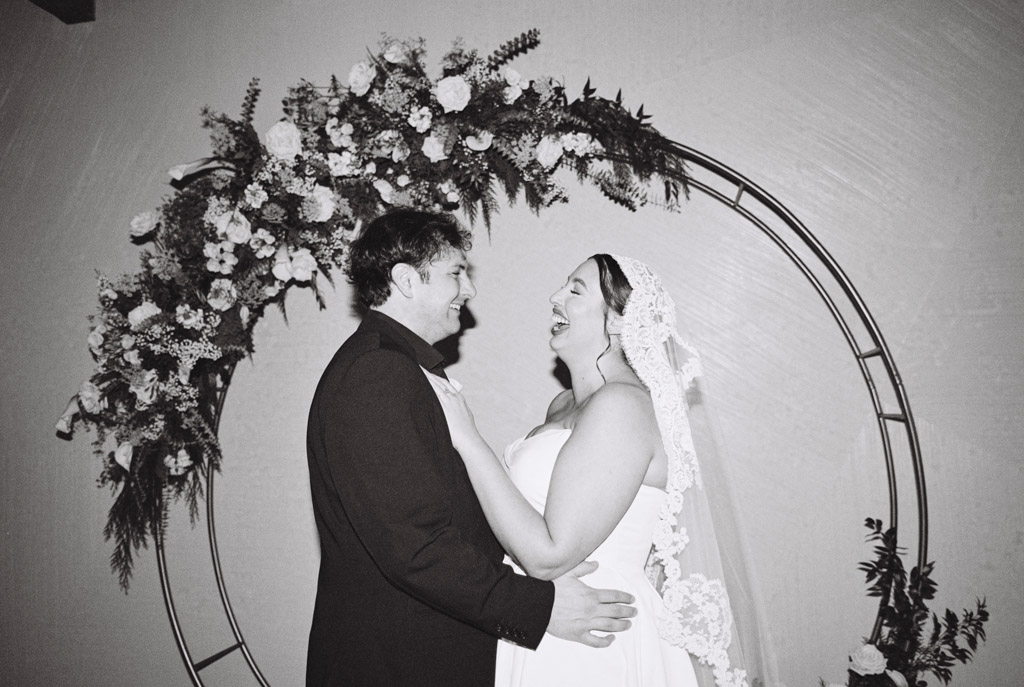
(412,589)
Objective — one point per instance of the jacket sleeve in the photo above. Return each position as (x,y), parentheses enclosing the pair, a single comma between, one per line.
(393,475)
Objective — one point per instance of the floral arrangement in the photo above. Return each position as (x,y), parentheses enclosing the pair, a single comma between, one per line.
(902,647)
(262,215)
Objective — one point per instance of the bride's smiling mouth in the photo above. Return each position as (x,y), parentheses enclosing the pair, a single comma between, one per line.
(559,322)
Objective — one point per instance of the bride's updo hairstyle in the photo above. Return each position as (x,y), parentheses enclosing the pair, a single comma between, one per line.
(614,286)
(615,289)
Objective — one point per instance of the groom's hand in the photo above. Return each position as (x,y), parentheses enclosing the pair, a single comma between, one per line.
(579,610)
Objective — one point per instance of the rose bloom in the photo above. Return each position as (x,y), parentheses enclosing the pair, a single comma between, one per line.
(512,94)
(319,205)
(222,294)
(482,141)
(303,265)
(142,313)
(453,93)
(90,397)
(385,189)
(283,140)
(360,77)
(420,119)
(549,151)
(95,338)
(395,53)
(433,148)
(123,455)
(235,226)
(143,223)
(867,660)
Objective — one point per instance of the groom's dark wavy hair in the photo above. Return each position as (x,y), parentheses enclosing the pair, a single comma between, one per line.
(402,235)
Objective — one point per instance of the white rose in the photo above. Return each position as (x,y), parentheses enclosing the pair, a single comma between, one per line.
(403,180)
(128,341)
(283,140)
(123,455)
(512,77)
(420,119)
(321,199)
(235,226)
(512,94)
(370,168)
(132,357)
(482,141)
(360,77)
(303,265)
(453,93)
(95,338)
(433,148)
(142,313)
(549,151)
(867,660)
(142,224)
(395,53)
(222,294)
(385,189)
(90,397)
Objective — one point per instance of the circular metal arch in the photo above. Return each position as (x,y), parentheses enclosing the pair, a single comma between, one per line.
(789,234)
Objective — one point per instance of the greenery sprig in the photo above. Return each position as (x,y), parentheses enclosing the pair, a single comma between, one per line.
(911,640)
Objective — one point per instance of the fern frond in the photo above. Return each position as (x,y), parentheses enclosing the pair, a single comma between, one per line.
(519,45)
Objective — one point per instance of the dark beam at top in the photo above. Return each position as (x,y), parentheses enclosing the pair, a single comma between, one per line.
(69,11)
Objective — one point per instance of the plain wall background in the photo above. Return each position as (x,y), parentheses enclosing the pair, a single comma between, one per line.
(895,131)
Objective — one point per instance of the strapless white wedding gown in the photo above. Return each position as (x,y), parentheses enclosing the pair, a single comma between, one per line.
(638,657)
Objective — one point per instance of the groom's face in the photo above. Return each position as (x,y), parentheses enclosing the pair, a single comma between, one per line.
(441,294)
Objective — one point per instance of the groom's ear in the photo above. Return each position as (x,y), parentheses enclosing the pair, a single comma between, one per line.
(402,277)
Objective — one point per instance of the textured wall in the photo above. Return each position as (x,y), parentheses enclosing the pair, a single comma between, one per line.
(895,131)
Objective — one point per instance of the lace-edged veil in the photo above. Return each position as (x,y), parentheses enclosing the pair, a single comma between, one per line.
(697,562)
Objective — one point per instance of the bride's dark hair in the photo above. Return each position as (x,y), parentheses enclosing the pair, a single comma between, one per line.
(614,286)
(615,289)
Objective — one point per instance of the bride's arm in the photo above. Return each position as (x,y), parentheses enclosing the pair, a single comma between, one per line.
(596,477)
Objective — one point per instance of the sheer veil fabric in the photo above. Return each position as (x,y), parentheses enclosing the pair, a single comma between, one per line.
(697,562)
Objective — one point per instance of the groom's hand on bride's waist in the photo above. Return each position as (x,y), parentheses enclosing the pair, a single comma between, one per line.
(579,610)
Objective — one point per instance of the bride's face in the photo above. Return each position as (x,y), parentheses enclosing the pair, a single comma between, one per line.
(578,315)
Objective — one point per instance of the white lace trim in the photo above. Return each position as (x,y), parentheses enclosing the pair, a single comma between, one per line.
(697,615)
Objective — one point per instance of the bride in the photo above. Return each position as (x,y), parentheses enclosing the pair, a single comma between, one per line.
(611,476)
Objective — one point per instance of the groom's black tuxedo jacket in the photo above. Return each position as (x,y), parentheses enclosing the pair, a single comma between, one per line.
(411,589)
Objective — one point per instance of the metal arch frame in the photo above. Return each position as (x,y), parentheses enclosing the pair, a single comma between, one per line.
(742,188)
